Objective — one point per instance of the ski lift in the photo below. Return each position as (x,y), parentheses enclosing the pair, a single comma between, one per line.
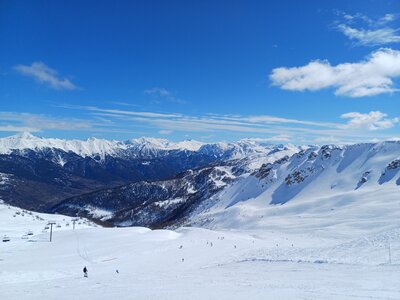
(30,232)
(46,227)
(6,239)
(58,226)
(25,237)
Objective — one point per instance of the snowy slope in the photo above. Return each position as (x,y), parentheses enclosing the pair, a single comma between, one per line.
(348,187)
(320,224)
(16,223)
(194,263)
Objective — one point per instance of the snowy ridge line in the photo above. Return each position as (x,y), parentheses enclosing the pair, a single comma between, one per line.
(92,146)
(145,146)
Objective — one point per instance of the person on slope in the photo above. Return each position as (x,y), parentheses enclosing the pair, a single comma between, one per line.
(85,272)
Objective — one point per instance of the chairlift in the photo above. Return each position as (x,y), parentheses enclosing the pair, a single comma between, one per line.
(25,237)
(46,227)
(30,232)
(58,226)
(6,239)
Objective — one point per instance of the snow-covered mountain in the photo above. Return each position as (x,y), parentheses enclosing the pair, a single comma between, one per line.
(150,147)
(90,147)
(155,203)
(319,181)
(155,182)
(323,220)
(145,147)
(38,172)
(353,185)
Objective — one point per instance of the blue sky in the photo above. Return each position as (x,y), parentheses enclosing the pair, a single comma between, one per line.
(281,71)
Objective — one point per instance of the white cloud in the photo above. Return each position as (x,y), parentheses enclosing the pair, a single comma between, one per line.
(351,127)
(370,37)
(276,138)
(163,93)
(372,76)
(11,128)
(326,140)
(387,19)
(371,32)
(19,122)
(374,120)
(118,112)
(44,74)
(394,138)
(166,132)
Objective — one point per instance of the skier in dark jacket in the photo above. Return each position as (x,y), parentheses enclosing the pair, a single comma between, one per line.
(85,272)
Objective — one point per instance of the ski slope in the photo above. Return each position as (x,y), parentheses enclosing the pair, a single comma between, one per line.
(194,263)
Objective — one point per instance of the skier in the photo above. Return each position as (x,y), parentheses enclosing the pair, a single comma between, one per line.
(85,272)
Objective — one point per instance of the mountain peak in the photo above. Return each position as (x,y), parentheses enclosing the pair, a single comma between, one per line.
(25,135)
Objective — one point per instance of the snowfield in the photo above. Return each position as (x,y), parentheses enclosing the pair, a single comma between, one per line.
(195,263)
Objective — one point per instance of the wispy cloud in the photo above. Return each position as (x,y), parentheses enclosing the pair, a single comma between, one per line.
(46,75)
(128,112)
(165,132)
(162,93)
(11,128)
(371,32)
(372,76)
(370,37)
(350,126)
(20,122)
(36,122)
(374,120)
(285,138)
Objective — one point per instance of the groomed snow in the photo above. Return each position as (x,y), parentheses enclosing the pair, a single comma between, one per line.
(194,263)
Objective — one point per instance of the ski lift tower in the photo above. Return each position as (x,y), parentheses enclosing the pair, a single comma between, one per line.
(51,223)
(74,220)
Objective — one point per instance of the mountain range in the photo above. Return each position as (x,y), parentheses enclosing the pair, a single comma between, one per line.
(158,183)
